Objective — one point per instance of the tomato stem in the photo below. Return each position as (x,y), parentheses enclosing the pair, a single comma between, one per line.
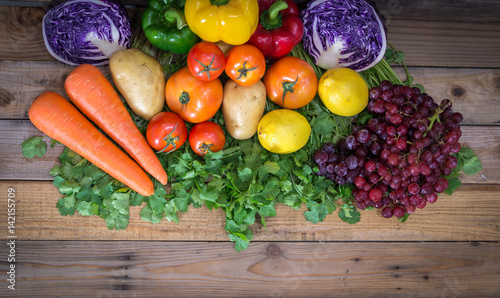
(170,140)
(288,87)
(244,70)
(207,68)
(184,99)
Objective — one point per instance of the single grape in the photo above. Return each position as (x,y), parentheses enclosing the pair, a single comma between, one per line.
(408,92)
(351,142)
(374,93)
(413,188)
(387,212)
(341,169)
(351,162)
(359,182)
(370,166)
(410,209)
(431,198)
(451,162)
(328,147)
(373,178)
(320,157)
(375,195)
(330,168)
(321,170)
(363,136)
(398,211)
(414,169)
(457,118)
(416,199)
(387,95)
(393,159)
(422,204)
(385,85)
(426,189)
(361,205)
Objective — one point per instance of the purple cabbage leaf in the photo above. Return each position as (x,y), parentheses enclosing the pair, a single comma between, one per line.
(86,31)
(345,33)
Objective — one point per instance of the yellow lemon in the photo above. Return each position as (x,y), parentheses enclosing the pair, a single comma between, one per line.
(283,131)
(343,91)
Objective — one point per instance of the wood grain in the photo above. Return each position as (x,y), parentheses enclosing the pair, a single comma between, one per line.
(117,268)
(484,140)
(425,41)
(468,215)
(468,88)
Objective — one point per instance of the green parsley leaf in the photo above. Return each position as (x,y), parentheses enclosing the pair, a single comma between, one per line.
(349,214)
(453,184)
(85,208)
(316,212)
(120,202)
(66,205)
(182,200)
(472,166)
(136,199)
(116,220)
(171,211)
(241,241)
(33,146)
(404,218)
(267,211)
(150,215)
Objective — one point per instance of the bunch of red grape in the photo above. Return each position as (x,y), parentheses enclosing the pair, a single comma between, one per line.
(398,159)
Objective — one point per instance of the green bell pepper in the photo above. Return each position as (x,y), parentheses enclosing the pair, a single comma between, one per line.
(165,26)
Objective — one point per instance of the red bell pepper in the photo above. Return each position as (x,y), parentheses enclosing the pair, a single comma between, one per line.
(279,30)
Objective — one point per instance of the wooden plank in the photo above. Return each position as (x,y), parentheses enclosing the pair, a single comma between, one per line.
(21,34)
(468,215)
(485,141)
(444,10)
(23,81)
(154,269)
(452,44)
(450,10)
(426,42)
(468,88)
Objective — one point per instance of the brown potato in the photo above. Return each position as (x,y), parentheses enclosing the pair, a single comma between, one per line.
(140,79)
(243,107)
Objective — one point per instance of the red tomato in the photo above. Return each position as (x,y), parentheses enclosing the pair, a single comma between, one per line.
(245,64)
(291,82)
(166,132)
(206,136)
(192,99)
(206,61)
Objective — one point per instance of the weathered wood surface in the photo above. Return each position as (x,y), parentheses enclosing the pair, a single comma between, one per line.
(469,215)
(453,49)
(158,269)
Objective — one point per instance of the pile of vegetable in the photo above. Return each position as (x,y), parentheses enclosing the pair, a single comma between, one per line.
(242,114)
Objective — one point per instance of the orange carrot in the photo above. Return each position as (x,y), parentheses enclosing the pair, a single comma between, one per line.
(59,119)
(95,97)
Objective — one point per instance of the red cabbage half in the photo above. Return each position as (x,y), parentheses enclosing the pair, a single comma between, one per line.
(345,33)
(75,31)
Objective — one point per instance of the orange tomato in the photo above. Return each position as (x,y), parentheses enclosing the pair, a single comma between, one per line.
(192,99)
(245,64)
(291,82)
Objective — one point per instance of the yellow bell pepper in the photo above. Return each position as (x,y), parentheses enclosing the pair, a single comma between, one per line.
(232,21)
